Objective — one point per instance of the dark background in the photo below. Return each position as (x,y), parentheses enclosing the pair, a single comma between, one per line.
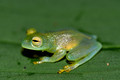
(99,17)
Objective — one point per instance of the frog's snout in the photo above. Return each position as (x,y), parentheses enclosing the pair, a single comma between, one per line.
(24,43)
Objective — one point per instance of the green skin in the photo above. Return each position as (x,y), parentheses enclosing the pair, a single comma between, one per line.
(80,47)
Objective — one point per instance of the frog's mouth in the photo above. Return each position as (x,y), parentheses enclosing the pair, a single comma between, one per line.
(27,46)
(30,47)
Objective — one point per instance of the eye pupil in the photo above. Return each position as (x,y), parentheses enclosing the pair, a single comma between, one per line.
(35,40)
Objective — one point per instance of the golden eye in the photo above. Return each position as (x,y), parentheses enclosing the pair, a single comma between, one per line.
(36,41)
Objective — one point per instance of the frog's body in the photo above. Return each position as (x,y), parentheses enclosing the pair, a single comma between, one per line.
(80,47)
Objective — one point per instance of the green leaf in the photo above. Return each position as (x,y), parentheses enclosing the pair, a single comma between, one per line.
(100,18)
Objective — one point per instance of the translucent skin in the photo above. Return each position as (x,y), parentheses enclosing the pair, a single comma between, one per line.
(80,47)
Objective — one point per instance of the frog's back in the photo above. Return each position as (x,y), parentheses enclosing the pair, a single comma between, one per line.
(75,34)
(70,32)
(69,39)
(66,32)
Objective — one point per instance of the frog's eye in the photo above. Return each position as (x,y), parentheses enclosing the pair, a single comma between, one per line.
(36,41)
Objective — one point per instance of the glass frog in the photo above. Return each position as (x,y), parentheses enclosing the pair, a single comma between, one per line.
(77,47)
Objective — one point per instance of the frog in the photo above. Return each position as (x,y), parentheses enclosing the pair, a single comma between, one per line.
(77,47)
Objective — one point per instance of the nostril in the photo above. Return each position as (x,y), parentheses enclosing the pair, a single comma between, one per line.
(26,40)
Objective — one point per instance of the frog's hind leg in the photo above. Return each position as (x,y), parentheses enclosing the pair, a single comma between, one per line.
(81,55)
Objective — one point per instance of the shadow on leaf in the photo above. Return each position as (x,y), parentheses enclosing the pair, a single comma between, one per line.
(35,54)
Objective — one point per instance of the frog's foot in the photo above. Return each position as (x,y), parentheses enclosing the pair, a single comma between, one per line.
(42,60)
(37,62)
(66,68)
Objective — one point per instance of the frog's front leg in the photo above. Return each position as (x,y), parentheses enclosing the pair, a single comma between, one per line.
(80,55)
(56,57)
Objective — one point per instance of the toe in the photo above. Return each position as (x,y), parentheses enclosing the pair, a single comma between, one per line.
(37,62)
(66,66)
(60,71)
(68,70)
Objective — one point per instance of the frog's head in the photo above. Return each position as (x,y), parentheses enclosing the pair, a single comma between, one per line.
(35,41)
